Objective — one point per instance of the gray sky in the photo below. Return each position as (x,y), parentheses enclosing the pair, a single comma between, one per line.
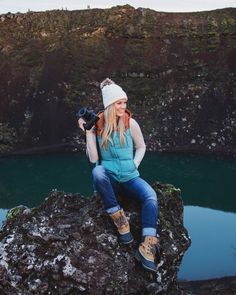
(159,5)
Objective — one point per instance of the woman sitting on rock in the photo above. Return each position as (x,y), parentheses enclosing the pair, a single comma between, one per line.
(117,174)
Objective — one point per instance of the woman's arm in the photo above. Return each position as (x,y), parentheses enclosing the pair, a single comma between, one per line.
(91,144)
(139,143)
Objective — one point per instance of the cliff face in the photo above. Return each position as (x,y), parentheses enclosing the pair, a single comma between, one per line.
(68,245)
(177,68)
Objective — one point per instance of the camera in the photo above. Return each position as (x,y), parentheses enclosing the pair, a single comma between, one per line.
(89,117)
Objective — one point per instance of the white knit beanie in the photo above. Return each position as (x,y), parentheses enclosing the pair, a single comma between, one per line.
(111,92)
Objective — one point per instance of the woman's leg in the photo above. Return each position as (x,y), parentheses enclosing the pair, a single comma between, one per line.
(141,190)
(107,188)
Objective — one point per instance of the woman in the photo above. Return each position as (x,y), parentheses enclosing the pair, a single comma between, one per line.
(117,174)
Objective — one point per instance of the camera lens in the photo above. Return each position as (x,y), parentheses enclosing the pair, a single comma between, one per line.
(82,112)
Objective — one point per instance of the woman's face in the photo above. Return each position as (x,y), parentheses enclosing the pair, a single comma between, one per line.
(120,107)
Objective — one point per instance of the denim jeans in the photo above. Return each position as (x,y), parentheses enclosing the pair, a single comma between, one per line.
(108,188)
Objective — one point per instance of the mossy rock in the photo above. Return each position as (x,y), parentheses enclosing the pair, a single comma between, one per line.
(15,212)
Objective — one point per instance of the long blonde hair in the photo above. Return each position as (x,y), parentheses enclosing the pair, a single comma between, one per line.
(111,124)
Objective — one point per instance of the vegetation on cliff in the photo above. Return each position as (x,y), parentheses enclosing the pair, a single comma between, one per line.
(177,68)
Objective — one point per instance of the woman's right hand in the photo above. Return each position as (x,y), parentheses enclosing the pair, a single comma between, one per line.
(81,123)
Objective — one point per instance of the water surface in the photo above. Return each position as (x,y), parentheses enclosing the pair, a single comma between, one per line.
(213,250)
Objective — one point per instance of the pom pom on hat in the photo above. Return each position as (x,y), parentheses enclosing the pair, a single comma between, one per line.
(111,92)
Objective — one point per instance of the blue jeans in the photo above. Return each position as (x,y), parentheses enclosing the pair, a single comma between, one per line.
(108,188)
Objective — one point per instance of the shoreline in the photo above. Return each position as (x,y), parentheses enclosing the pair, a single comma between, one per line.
(71,147)
(215,286)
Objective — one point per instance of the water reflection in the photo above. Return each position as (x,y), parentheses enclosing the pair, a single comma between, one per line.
(212,253)
(3,213)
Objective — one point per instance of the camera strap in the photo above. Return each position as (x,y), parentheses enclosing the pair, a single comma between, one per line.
(98,149)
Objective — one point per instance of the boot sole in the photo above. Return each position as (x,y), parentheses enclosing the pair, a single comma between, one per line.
(139,258)
(127,243)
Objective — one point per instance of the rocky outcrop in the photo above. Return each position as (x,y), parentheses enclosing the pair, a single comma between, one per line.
(68,245)
(177,68)
(220,286)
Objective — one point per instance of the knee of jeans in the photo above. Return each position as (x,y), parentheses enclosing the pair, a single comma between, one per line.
(152,196)
(98,173)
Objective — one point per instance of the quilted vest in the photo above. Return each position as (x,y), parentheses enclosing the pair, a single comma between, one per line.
(117,158)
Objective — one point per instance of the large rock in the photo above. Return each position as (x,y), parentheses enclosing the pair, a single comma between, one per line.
(68,245)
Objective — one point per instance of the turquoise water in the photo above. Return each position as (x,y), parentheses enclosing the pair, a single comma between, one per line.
(213,250)
(207,185)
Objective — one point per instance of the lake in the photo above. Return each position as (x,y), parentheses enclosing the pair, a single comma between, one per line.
(207,189)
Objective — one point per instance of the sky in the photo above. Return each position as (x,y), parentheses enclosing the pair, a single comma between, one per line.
(159,5)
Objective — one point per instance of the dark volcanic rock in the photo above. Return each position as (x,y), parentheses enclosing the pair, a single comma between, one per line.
(221,286)
(68,245)
(177,68)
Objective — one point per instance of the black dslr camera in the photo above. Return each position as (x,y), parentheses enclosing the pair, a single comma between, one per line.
(89,117)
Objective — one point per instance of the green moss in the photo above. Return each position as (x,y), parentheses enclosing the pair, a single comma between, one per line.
(166,224)
(195,49)
(7,137)
(211,48)
(171,190)
(212,23)
(14,212)
(4,148)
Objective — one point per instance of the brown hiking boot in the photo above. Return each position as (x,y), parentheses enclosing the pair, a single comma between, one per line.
(146,253)
(122,224)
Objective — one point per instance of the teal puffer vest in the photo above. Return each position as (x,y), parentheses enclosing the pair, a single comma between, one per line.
(118,159)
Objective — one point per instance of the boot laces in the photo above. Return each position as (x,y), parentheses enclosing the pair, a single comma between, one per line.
(121,221)
(151,248)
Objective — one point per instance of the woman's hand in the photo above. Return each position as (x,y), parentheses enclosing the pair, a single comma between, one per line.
(81,123)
